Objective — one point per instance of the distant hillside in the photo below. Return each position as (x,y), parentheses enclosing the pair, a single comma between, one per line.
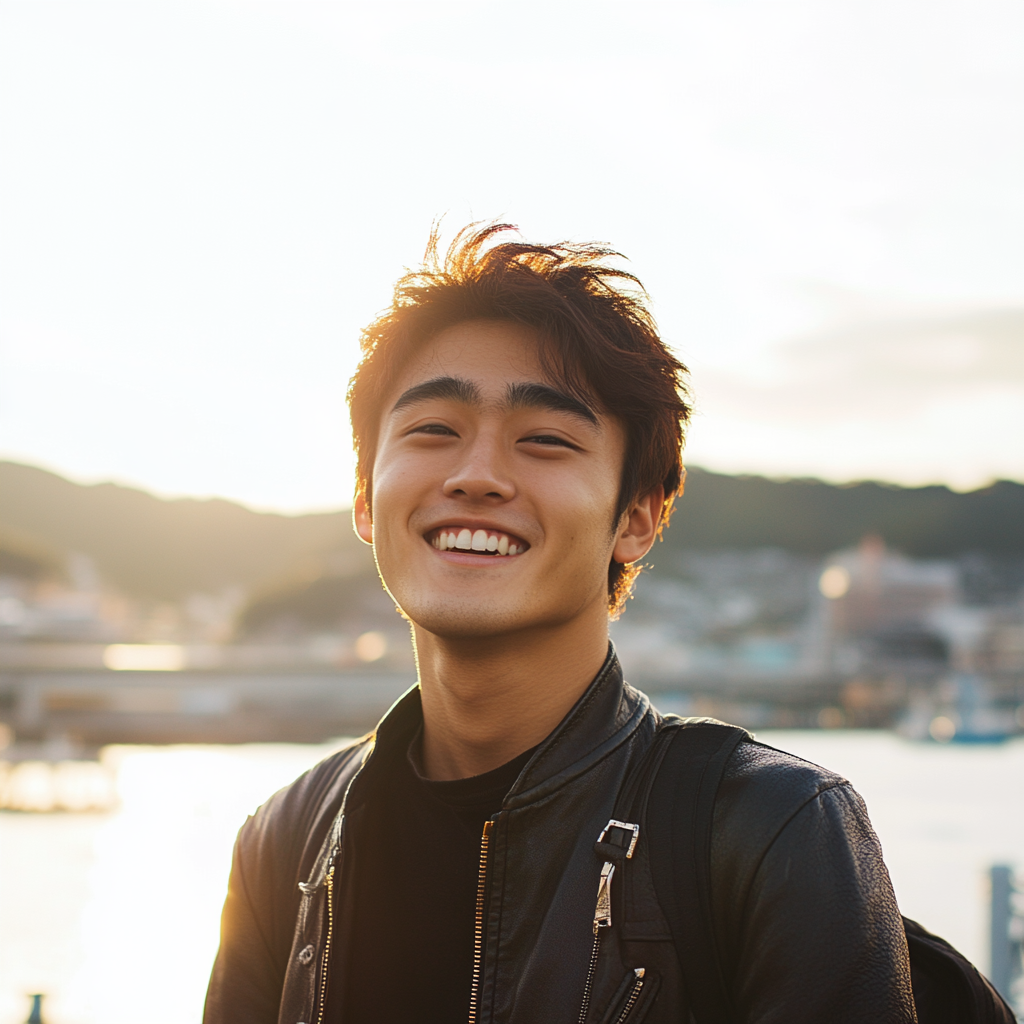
(150,547)
(719,511)
(154,548)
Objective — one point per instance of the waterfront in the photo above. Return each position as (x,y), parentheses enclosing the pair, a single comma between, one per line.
(115,915)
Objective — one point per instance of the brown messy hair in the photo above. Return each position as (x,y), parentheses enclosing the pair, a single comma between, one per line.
(597,337)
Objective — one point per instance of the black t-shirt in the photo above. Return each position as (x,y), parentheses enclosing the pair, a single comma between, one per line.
(418,855)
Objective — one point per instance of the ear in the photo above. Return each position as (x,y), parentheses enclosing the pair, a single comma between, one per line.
(639,527)
(361,521)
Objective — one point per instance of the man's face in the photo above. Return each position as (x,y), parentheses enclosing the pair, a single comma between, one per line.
(493,490)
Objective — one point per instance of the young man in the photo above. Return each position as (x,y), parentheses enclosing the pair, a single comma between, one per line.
(519,427)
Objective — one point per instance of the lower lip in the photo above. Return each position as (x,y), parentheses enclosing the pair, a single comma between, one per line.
(472,558)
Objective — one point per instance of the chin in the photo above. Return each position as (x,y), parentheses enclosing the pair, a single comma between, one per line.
(479,613)
(470,622)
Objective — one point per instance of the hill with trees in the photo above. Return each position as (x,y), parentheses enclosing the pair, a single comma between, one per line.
(812,517)
(154,548)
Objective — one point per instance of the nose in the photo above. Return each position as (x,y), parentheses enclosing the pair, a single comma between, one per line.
(481,473)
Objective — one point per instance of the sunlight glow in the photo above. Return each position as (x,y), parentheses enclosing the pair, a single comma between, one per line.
(371,646)
(144,657)
(834,582)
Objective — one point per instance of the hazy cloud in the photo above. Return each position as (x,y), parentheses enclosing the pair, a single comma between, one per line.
(917,398)
(888,368)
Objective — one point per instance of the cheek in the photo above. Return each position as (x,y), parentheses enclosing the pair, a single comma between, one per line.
(583,509)
(396,481)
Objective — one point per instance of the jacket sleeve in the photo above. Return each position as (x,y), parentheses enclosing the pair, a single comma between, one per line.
(247,977)
(274,850)
(811,924)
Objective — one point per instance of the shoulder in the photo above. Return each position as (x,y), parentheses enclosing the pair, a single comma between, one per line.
(312,786)
(762,784)
(772,805)
(763,790)
(280,835)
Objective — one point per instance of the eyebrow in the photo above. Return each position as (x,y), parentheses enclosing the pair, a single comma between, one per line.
(520,395)
(541,396)
(454,389)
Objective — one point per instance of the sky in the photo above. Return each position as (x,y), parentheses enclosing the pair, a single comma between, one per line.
(202,203)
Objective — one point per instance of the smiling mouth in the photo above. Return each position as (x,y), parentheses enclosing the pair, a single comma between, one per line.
(476,542)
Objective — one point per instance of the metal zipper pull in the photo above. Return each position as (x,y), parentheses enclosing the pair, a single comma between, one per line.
(602,920)
(603,910)
(618,839)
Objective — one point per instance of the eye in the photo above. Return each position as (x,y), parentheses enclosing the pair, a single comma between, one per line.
(551,440)
(434,429)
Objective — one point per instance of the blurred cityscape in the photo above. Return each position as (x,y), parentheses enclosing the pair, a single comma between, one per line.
(128,619)
(863,637)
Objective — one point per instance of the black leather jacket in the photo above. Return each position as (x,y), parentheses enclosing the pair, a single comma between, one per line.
(800,892)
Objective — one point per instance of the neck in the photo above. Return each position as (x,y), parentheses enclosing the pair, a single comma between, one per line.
(486,700)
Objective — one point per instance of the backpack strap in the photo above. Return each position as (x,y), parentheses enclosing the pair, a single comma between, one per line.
(634,792)
(679,819)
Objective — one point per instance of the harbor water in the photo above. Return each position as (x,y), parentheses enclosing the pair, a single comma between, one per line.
(114,916)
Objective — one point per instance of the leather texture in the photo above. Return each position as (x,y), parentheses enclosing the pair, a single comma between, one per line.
(819,884)
(801,896)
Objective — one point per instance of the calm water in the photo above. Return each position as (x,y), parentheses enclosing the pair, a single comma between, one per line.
(115,915)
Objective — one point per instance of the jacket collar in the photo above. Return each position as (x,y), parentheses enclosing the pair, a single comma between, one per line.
(605,716)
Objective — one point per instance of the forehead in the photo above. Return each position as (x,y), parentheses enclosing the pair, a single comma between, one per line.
(491,353)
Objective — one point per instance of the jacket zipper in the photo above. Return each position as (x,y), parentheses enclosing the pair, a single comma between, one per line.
(602,920)
(634,995)
(329,880)
(478,928)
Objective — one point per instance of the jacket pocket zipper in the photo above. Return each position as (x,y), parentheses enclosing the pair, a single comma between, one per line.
(329,881)
(602,920)
(634,995)
(478,925)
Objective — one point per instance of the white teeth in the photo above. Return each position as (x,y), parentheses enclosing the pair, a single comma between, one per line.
(476,540)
